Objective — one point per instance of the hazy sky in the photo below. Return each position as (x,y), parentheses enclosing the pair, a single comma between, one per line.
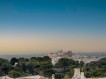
(37,26)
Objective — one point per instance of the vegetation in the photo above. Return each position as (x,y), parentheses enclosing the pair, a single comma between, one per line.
(13,61)
(5,67)
(65,68)
(37,66)
(24,67)
(96,68)
(14,74)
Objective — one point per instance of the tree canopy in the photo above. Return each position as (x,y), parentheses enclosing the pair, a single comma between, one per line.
(96,68)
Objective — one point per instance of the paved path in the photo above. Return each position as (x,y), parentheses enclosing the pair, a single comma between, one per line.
(76,74)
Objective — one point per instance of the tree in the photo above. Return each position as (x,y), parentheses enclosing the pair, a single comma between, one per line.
(96,68)
(22,64)
(65,66)
(70,73)
(14,74)
(22,61)
(46,58)
(59,75)
(77,63)
(5,66)
(81,63)
(89,74)
(47,69)
(13,61)
(34,66)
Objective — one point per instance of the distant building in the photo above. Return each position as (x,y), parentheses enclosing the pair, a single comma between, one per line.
(55,56)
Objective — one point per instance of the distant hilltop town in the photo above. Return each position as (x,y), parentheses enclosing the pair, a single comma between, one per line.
(55,56)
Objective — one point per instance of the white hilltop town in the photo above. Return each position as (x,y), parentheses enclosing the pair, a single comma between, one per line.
(55,56)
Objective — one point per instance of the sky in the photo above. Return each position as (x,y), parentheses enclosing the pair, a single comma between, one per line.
(42,26)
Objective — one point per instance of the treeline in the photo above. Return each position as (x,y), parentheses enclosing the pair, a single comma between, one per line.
(25,67)
(96,68)
(38,66)
(43,66)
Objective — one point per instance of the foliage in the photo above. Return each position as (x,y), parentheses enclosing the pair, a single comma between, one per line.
(37,66)
(5,66)
(65,67)
(96,68)
(14,74)
(13,61)
(59,75)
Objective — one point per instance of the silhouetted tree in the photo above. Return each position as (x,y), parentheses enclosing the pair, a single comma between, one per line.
(13,61)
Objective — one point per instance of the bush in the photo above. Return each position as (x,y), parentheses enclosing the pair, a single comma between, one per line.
(96,68)
(14,74)
(59,75)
